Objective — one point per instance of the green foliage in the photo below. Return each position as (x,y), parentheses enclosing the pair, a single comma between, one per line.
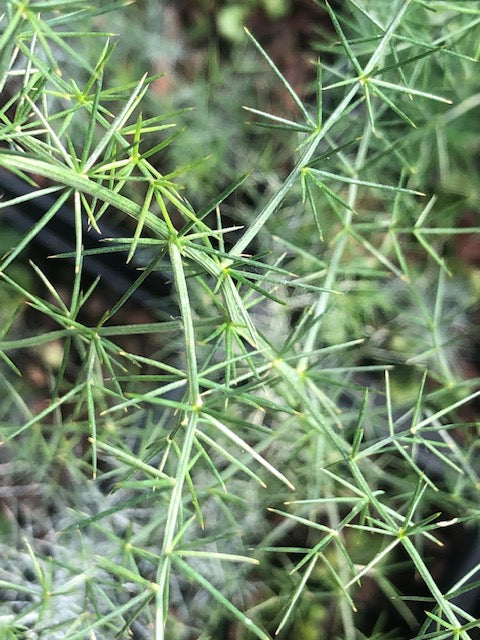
(232,17)
(279,445)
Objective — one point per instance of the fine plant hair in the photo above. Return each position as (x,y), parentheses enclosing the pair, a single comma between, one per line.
(298,430)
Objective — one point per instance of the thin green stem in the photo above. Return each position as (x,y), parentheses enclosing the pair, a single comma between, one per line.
(277,199)
(189,424)
(335,261)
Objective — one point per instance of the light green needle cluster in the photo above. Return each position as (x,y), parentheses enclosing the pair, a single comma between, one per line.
(298,428)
